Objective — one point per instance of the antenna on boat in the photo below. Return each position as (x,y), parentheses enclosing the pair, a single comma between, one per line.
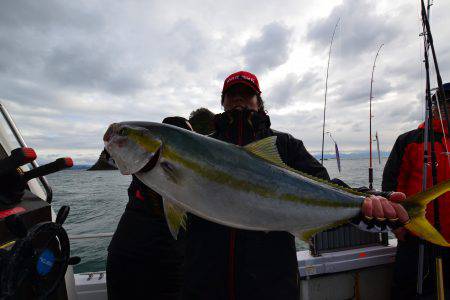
(326,88)
(370,120)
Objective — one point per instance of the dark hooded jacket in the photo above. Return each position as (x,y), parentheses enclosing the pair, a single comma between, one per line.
(227,263)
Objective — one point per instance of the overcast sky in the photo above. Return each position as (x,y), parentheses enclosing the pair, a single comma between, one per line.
(70,68)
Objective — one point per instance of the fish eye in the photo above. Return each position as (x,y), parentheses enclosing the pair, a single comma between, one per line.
(122,131)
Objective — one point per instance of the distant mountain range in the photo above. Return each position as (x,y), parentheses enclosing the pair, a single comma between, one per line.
(351,155)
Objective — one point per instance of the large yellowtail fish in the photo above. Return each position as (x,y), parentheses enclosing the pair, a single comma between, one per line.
(243,187)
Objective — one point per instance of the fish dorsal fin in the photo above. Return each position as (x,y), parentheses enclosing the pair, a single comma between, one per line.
(175,216)
(266,149)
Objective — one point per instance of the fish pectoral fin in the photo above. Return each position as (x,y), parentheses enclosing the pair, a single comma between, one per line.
(175,216)
(266,149)
(170,171)
(306,235)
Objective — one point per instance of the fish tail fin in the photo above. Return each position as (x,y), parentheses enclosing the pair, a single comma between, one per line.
(416,207)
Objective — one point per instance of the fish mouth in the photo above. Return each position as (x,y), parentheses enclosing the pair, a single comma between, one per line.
(150,165)
(130,155)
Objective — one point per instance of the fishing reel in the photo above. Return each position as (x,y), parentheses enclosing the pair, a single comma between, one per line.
(37,262)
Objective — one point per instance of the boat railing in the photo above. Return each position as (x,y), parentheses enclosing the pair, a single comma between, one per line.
(15,131)
(345,237)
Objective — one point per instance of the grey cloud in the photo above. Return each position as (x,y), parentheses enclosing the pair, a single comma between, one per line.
(47,46)
(43,15)
(304,125)
(405,68)
(269,50)
(284,90)
(405,110)
(87,68)
(188,44)
(413,114)
(293,88)
(21,52)
(354,91)
(357,126)
(300,119)
(444,64)
(26,92)
(361,28)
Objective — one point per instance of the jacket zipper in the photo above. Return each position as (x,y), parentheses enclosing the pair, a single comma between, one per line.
(232,270)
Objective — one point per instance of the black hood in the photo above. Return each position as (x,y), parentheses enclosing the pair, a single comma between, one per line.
(241,126)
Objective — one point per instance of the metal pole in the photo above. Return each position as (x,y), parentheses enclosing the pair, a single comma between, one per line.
(21,141)
(439,279)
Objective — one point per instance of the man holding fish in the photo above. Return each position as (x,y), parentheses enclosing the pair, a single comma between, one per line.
(249,190)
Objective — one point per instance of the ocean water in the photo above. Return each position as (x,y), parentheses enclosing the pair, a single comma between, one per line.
(97,200)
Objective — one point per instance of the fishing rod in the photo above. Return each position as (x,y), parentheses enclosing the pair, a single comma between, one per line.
(370,120)
(326,88)
(440,91)
(429,134)
(426,158)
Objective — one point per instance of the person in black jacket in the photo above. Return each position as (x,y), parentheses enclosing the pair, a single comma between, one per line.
(224,263)
(144,261)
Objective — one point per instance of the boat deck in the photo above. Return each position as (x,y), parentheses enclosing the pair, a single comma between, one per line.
(333,275)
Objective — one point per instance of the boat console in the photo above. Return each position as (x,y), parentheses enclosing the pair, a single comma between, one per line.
(34,250)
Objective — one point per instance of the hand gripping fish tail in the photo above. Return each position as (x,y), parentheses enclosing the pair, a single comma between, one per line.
(416,208)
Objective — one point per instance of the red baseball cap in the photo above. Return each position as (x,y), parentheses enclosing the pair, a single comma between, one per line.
(244,77)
